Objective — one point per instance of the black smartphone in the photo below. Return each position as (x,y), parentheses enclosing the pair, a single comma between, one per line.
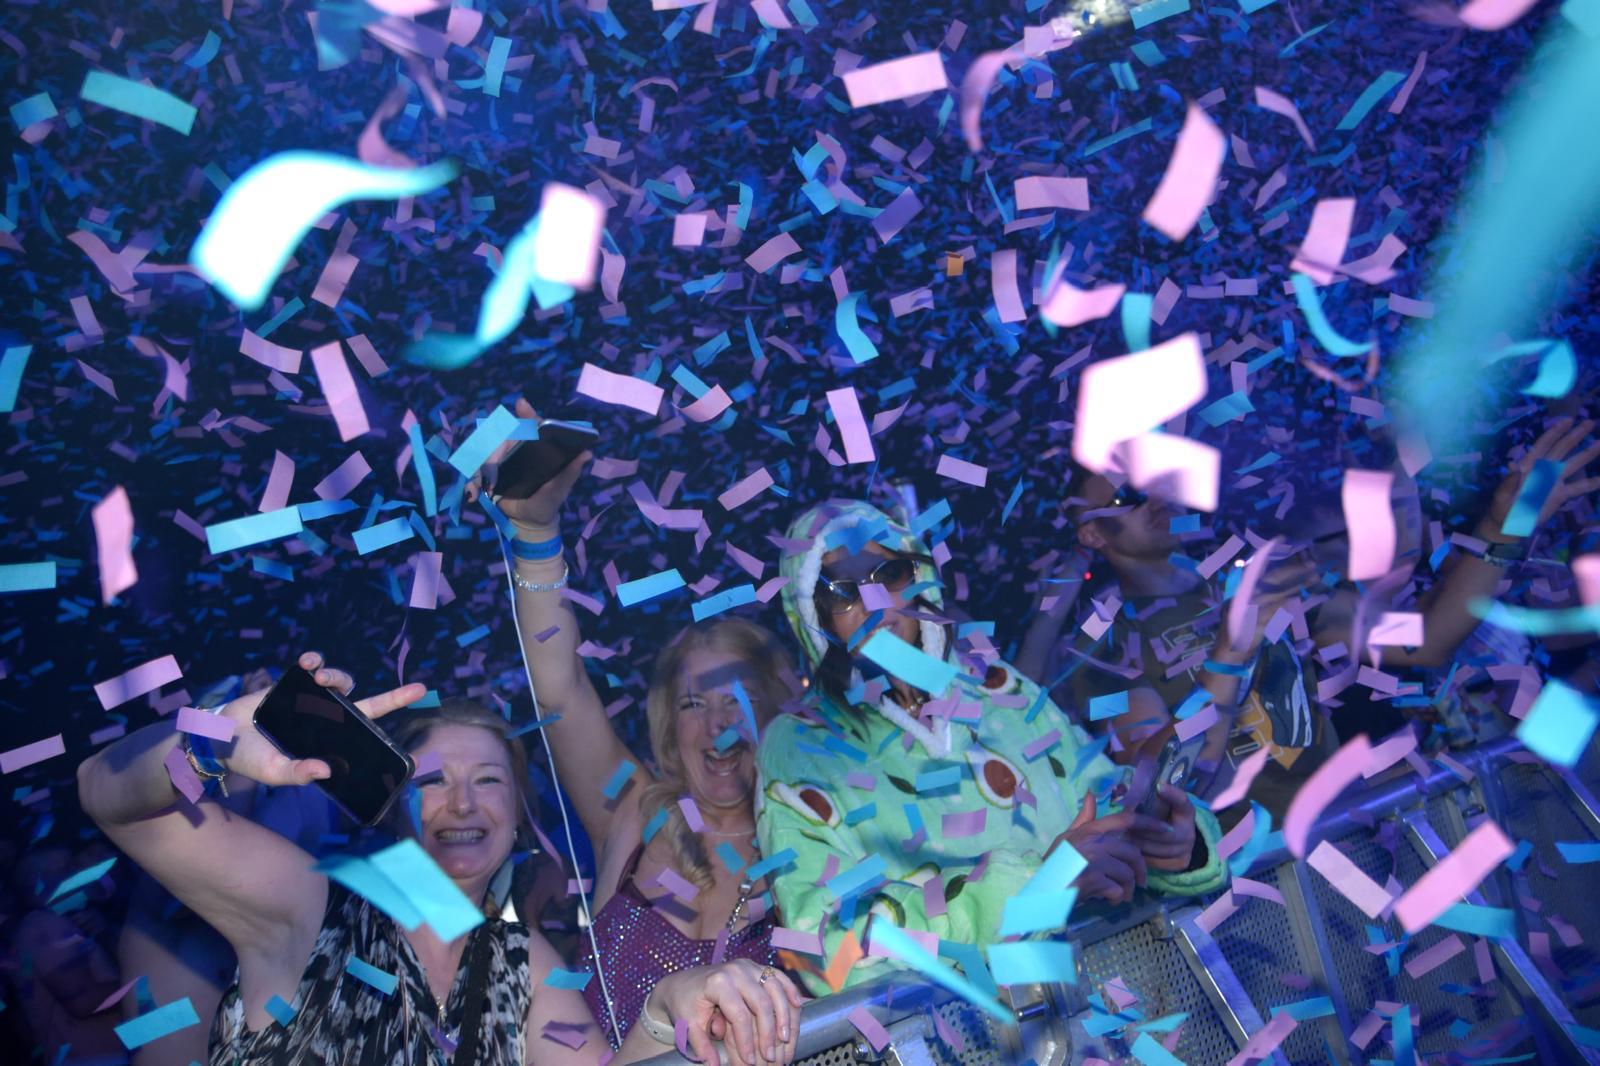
(304,720)
(532,463)
(1172,767)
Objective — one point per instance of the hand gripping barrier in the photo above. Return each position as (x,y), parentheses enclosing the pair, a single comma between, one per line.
(1534,998)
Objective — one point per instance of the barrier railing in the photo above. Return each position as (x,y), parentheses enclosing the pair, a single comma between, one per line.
(1314,955)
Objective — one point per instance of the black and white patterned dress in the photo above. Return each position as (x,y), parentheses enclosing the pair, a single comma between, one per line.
(342,1020)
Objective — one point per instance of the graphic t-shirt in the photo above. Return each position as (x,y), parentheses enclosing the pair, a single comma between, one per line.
(1174,636)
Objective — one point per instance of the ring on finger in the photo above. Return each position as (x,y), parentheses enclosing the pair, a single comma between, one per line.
(767,973)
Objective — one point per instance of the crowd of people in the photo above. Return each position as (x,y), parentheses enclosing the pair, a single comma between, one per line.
(823,800)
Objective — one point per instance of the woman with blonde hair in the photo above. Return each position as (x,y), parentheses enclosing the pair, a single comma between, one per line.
(679,878)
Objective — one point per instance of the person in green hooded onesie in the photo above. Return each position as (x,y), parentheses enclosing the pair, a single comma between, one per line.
(882,786)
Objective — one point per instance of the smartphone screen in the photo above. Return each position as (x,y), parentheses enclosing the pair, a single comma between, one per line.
(306,721)
(532,463)
(1173,767)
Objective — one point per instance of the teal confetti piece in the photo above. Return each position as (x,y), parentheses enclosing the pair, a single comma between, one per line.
(383,535)
(483,440)
(934,780)
(1250,7)
(572,980)
(252,529)
(1037,912)
(730,858)
(168,1018)
(1057,872)
(83,877)
(1496,922)
(771,864)
(1577,852)
(619,778)
(653,826)
(1148,1051)
(1558,367)
(1535,622)
(1154,11)
(894,940)
(1306,1009)
(910,664)
(1536,488)
(1559,724)
(135,98)
(472,636)
(358,874)
(1369,98)
(256,225)
(852,881)
(1260,832)
(1108,706)
(35,108)
(370,974)
(205,53)
(280,1010)
(12,364)
(1026,962)
(424,469)
(1011,501)
(726,600)
(443,906)
(27,577)
(494,70)
(1305,294)
(848,327)
(1136,308)
(648,588)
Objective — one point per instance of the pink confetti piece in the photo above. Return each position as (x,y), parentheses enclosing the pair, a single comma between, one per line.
(957,824)
(567,1034)
(846,408)
(1399,103)
(1003,281)
(1326,238)
(1453,876)
(1191,176)
(29,754)
(1242,779)
(691,814)
(772,253)
(948,1033)
(795,940)
(116,997)
(205,724)
(675,883)
(333,373)
(1120,398)
(184,779)
(869,1027)
(1041,745)
(345,477)
(894,218)
(1197,723)
(933,896)
(745,489)
(1037,192)
(113,536)
(689,229)
(1434,957)
(713,403)
(1282,105)
(1364,497)
(97,379)
(1397,629)
(274,356)
(963,471)
(896,79)
(425,581)
(1389,752)
(600,384)
(1320,789)
(1217,911)
(367,355)
(1243,886)
(1586,572)
(1241,610)
(566,248)
(1348,879)
(279,481)
(1264,1041)
(1494,14)
(1067,305)
(146,677)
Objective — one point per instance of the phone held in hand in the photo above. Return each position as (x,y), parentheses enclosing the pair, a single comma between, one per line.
(530,465)
(304,720)
(1172,767)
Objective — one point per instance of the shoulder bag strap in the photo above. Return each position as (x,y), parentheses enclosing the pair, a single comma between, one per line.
(468,1050)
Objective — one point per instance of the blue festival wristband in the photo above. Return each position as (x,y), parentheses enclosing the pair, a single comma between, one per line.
(536,550)
(1226,668)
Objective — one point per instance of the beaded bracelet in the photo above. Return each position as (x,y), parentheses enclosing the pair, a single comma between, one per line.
(533,551)
(543,586)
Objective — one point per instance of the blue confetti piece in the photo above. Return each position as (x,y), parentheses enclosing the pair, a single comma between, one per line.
(893,939)
(1578,852)
(12,364)
(934,780)
(383,535)
(726,600)
(730,858)
(1152,12)
(1148,1051)
(35,108)
(1040,911)
(1495,922)
(848,327)
(253,529)
(136,98)
(1305,294)
(648,588)
(572,980)
(153,1025)
(772,864)
(371,975)
(653,826)
(81,878)
(472,636)
(1369,98)
(1024,962)
(1109,705)
(1536,488)
(280,1010)
(27,577)
(488,435)
(619,778)
(1559,724)
(910,664)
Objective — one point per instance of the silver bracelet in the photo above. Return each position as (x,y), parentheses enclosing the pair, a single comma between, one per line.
(542,586)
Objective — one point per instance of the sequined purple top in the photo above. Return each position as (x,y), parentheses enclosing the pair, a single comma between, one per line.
(640,946)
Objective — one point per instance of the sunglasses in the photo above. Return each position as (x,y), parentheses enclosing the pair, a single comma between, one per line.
(839,595)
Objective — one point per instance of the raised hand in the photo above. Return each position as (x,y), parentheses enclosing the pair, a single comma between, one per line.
(758,1007)
(1117,863)
(1556,444)
(538,516)
(253,756)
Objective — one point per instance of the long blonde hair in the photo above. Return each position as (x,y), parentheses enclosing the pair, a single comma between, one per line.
(754,645)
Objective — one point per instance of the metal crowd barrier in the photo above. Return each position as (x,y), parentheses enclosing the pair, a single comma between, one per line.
(1542,991)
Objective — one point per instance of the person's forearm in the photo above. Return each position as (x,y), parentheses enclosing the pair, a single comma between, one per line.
(1224,688)
(553,660)
(1033,659)
(1447,618)
(128,780)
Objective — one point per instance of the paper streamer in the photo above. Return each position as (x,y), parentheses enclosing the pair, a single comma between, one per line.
(1364,497)
(846,408)
(1191,177)
(1320,789)
(896,80)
